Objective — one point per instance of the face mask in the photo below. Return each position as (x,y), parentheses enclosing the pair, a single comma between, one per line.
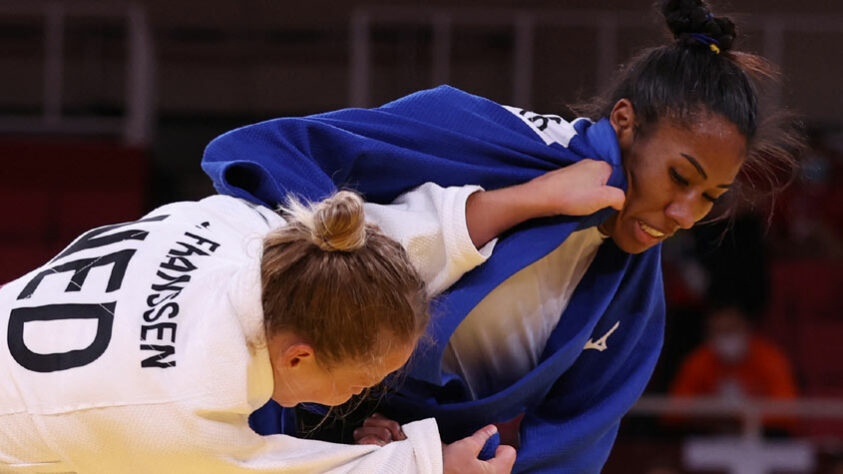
(730,348)
(731,390)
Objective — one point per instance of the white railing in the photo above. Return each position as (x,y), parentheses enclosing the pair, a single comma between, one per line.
(748,453)
(135,126)
(523,23)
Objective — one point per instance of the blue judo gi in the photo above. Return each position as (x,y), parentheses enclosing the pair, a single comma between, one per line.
(574,399)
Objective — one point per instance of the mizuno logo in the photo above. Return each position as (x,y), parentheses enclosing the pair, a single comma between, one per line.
(600,344)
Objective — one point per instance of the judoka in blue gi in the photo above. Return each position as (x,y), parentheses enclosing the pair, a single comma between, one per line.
(675,132)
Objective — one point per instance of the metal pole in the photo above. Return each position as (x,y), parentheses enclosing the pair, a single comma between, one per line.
(360,63)
(441,73)
(139,79)
(774,51)
(753,430)
(522,64)
(53,62)
(607,50)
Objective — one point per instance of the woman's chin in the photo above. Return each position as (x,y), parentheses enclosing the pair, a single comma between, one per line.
(285,403)
(630,244)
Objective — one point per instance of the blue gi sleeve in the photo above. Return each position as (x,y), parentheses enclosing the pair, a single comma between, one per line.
(441,135)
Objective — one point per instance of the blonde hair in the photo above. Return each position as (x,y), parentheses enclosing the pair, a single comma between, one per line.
(340,283)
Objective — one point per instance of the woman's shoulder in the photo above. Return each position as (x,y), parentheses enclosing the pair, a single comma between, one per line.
(234,214)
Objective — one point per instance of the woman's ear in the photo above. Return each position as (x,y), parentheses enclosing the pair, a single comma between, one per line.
(288,351)
(297,355)
(622,119)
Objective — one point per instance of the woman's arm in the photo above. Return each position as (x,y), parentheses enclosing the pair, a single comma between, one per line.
(443,136)
(575,190)
(430,223)
(479,452)
(167,438)
(443,228)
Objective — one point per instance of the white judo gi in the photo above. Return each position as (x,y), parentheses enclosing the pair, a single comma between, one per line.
(140,348)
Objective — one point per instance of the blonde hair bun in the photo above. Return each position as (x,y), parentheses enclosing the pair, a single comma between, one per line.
(340,283)
(333,224)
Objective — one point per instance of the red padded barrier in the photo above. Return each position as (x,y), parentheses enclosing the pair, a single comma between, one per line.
(19,258)
(81,210)
(51,190)
(26,214)
(802,292)
(820,354)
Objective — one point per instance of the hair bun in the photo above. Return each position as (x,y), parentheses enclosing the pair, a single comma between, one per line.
(687,18)
(336,223)
(339,223)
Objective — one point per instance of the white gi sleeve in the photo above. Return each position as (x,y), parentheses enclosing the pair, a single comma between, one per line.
(420,453)
(430,223)
(162,438)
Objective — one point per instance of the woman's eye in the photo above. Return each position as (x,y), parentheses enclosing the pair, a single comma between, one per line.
(678,177)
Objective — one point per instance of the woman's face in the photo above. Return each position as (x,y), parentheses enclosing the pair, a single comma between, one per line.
(306,381)
(674,175)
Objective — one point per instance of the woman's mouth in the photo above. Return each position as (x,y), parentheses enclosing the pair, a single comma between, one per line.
(647,235)
(655,233)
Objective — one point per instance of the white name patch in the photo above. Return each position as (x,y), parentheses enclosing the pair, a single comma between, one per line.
(551,128)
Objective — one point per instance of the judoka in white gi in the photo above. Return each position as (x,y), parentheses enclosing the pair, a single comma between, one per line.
(144,346)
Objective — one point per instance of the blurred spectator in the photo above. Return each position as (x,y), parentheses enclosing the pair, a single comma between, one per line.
(736,364)
(725,260)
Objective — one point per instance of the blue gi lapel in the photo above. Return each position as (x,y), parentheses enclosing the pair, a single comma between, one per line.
(516,250)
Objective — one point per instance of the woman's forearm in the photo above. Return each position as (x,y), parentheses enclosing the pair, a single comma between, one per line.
(490,213)
(576,190)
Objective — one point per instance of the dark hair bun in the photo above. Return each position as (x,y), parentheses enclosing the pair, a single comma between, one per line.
(687,18)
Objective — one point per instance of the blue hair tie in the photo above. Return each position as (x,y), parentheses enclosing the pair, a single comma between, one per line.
(712,43)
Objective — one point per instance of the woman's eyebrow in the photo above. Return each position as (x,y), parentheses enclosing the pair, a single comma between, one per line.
(700,169)
(696,164)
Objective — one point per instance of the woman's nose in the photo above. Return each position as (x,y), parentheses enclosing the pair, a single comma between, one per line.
(682,212)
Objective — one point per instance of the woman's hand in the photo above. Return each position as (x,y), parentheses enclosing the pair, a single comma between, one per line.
(461,456)
(457,457)
(576,190)
(378,430)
